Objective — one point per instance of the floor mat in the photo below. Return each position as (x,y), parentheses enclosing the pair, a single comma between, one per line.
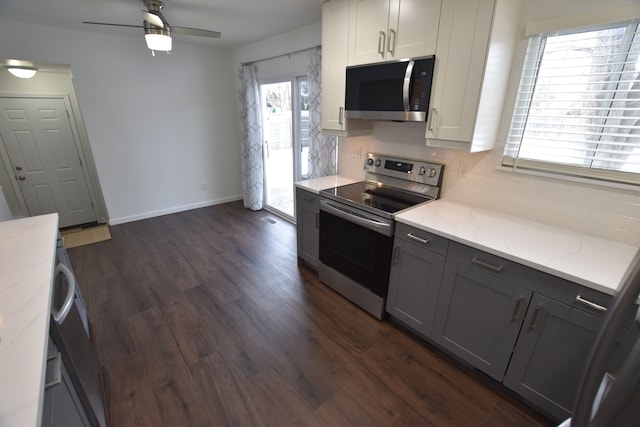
(85,236)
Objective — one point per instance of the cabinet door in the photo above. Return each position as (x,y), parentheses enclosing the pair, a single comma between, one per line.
(61,406)
(307,210)
(549,357)
(414,285)
(368,23)
(335,47)
(463,39)
(479,315)
(413,28)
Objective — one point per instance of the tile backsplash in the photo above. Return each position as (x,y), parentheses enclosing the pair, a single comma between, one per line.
(476,179)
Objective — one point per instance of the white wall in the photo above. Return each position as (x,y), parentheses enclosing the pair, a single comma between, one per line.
(158,127)
(281,44)
(613,213)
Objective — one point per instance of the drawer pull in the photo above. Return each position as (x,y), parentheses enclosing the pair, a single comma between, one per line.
(534,318)
(418,239)
(57,366)
(484,264)
(307,198)
(590,304)
(516,310)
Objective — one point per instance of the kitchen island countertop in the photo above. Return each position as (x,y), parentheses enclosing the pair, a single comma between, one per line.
(589,261)
(27,256)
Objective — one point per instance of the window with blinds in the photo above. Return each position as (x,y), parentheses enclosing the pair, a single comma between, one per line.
(578,106)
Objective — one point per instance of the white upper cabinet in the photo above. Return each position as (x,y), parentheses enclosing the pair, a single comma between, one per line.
(386,30)
(476,39)
(335,36)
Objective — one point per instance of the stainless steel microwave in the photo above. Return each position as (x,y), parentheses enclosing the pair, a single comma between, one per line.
(397,90)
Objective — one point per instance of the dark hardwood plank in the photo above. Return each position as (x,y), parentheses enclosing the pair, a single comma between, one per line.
(205,318)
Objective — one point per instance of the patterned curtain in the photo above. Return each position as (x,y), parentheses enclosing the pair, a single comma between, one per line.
(322,148)
(251,138)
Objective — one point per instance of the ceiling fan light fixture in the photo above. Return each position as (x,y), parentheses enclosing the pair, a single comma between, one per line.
(20,68)
(159,42)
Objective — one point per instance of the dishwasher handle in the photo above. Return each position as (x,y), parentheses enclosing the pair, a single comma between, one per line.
(60,315)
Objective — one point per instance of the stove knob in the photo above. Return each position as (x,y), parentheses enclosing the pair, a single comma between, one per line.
(369,161)
(378,162)
(422,170)
(432,172)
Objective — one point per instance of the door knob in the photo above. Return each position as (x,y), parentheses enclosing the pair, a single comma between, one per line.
(21,178)
(18,168)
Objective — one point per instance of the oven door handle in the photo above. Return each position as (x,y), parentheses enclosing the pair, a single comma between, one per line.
(371,224)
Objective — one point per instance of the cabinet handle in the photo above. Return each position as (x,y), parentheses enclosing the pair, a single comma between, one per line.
(432,114)
(590,304)
(486,265)
(391,44)
(534,318)
(418,239)
(396,255)
(516,310)
(340,114)
(57,367)
(317,220)
(307,198)
(381,42)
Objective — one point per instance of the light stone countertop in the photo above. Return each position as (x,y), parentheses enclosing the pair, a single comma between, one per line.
(27,257)
(316,184)
(586,260)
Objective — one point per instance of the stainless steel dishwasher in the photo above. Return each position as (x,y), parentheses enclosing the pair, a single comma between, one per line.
(70,331)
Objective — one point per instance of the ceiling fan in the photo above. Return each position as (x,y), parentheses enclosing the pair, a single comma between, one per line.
(157,32)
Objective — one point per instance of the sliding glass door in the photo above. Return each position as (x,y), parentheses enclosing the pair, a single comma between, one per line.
(285,124)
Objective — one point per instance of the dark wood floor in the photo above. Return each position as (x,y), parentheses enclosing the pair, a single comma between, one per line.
(205,318)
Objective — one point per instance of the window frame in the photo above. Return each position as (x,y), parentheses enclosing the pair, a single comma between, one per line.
(523,101)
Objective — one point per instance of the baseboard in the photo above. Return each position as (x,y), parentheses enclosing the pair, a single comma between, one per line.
(175,209)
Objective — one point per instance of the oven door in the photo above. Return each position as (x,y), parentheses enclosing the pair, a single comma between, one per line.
(357,245)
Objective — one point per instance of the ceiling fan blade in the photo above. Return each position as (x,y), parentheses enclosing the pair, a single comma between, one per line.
(196,32)
(113,25)
(152,19)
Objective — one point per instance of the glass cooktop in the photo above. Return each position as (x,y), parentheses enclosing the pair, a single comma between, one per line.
(369,195)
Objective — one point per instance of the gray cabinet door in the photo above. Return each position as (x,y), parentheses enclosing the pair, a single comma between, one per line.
(548,359)
(307,211)
(414,284)
(62,406)
(479,315)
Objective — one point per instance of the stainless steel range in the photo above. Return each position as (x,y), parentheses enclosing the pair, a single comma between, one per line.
(357,225)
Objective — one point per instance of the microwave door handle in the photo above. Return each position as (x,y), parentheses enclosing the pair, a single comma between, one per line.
(406,85)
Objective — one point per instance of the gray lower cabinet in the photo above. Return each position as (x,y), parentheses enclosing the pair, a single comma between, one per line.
(414,281)
(480,313)
(62,406)
(523,327)
(549,357)
(307,212)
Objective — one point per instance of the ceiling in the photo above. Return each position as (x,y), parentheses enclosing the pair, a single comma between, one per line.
(239,21)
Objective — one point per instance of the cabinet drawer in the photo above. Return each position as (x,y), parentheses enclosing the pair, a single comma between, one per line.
(307,197)
(430,241)
(493,264)
(572,294)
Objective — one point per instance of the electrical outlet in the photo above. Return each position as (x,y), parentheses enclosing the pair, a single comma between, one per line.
(203,186)
(356,152)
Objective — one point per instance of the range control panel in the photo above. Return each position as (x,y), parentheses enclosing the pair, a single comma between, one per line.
(407,169)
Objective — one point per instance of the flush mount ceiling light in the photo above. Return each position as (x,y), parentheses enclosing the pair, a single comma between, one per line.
(20,68)
(157,32)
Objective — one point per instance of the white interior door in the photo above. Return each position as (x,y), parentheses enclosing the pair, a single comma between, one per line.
(39,140)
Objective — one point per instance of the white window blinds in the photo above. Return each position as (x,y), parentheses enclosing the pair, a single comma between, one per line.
(578,106)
